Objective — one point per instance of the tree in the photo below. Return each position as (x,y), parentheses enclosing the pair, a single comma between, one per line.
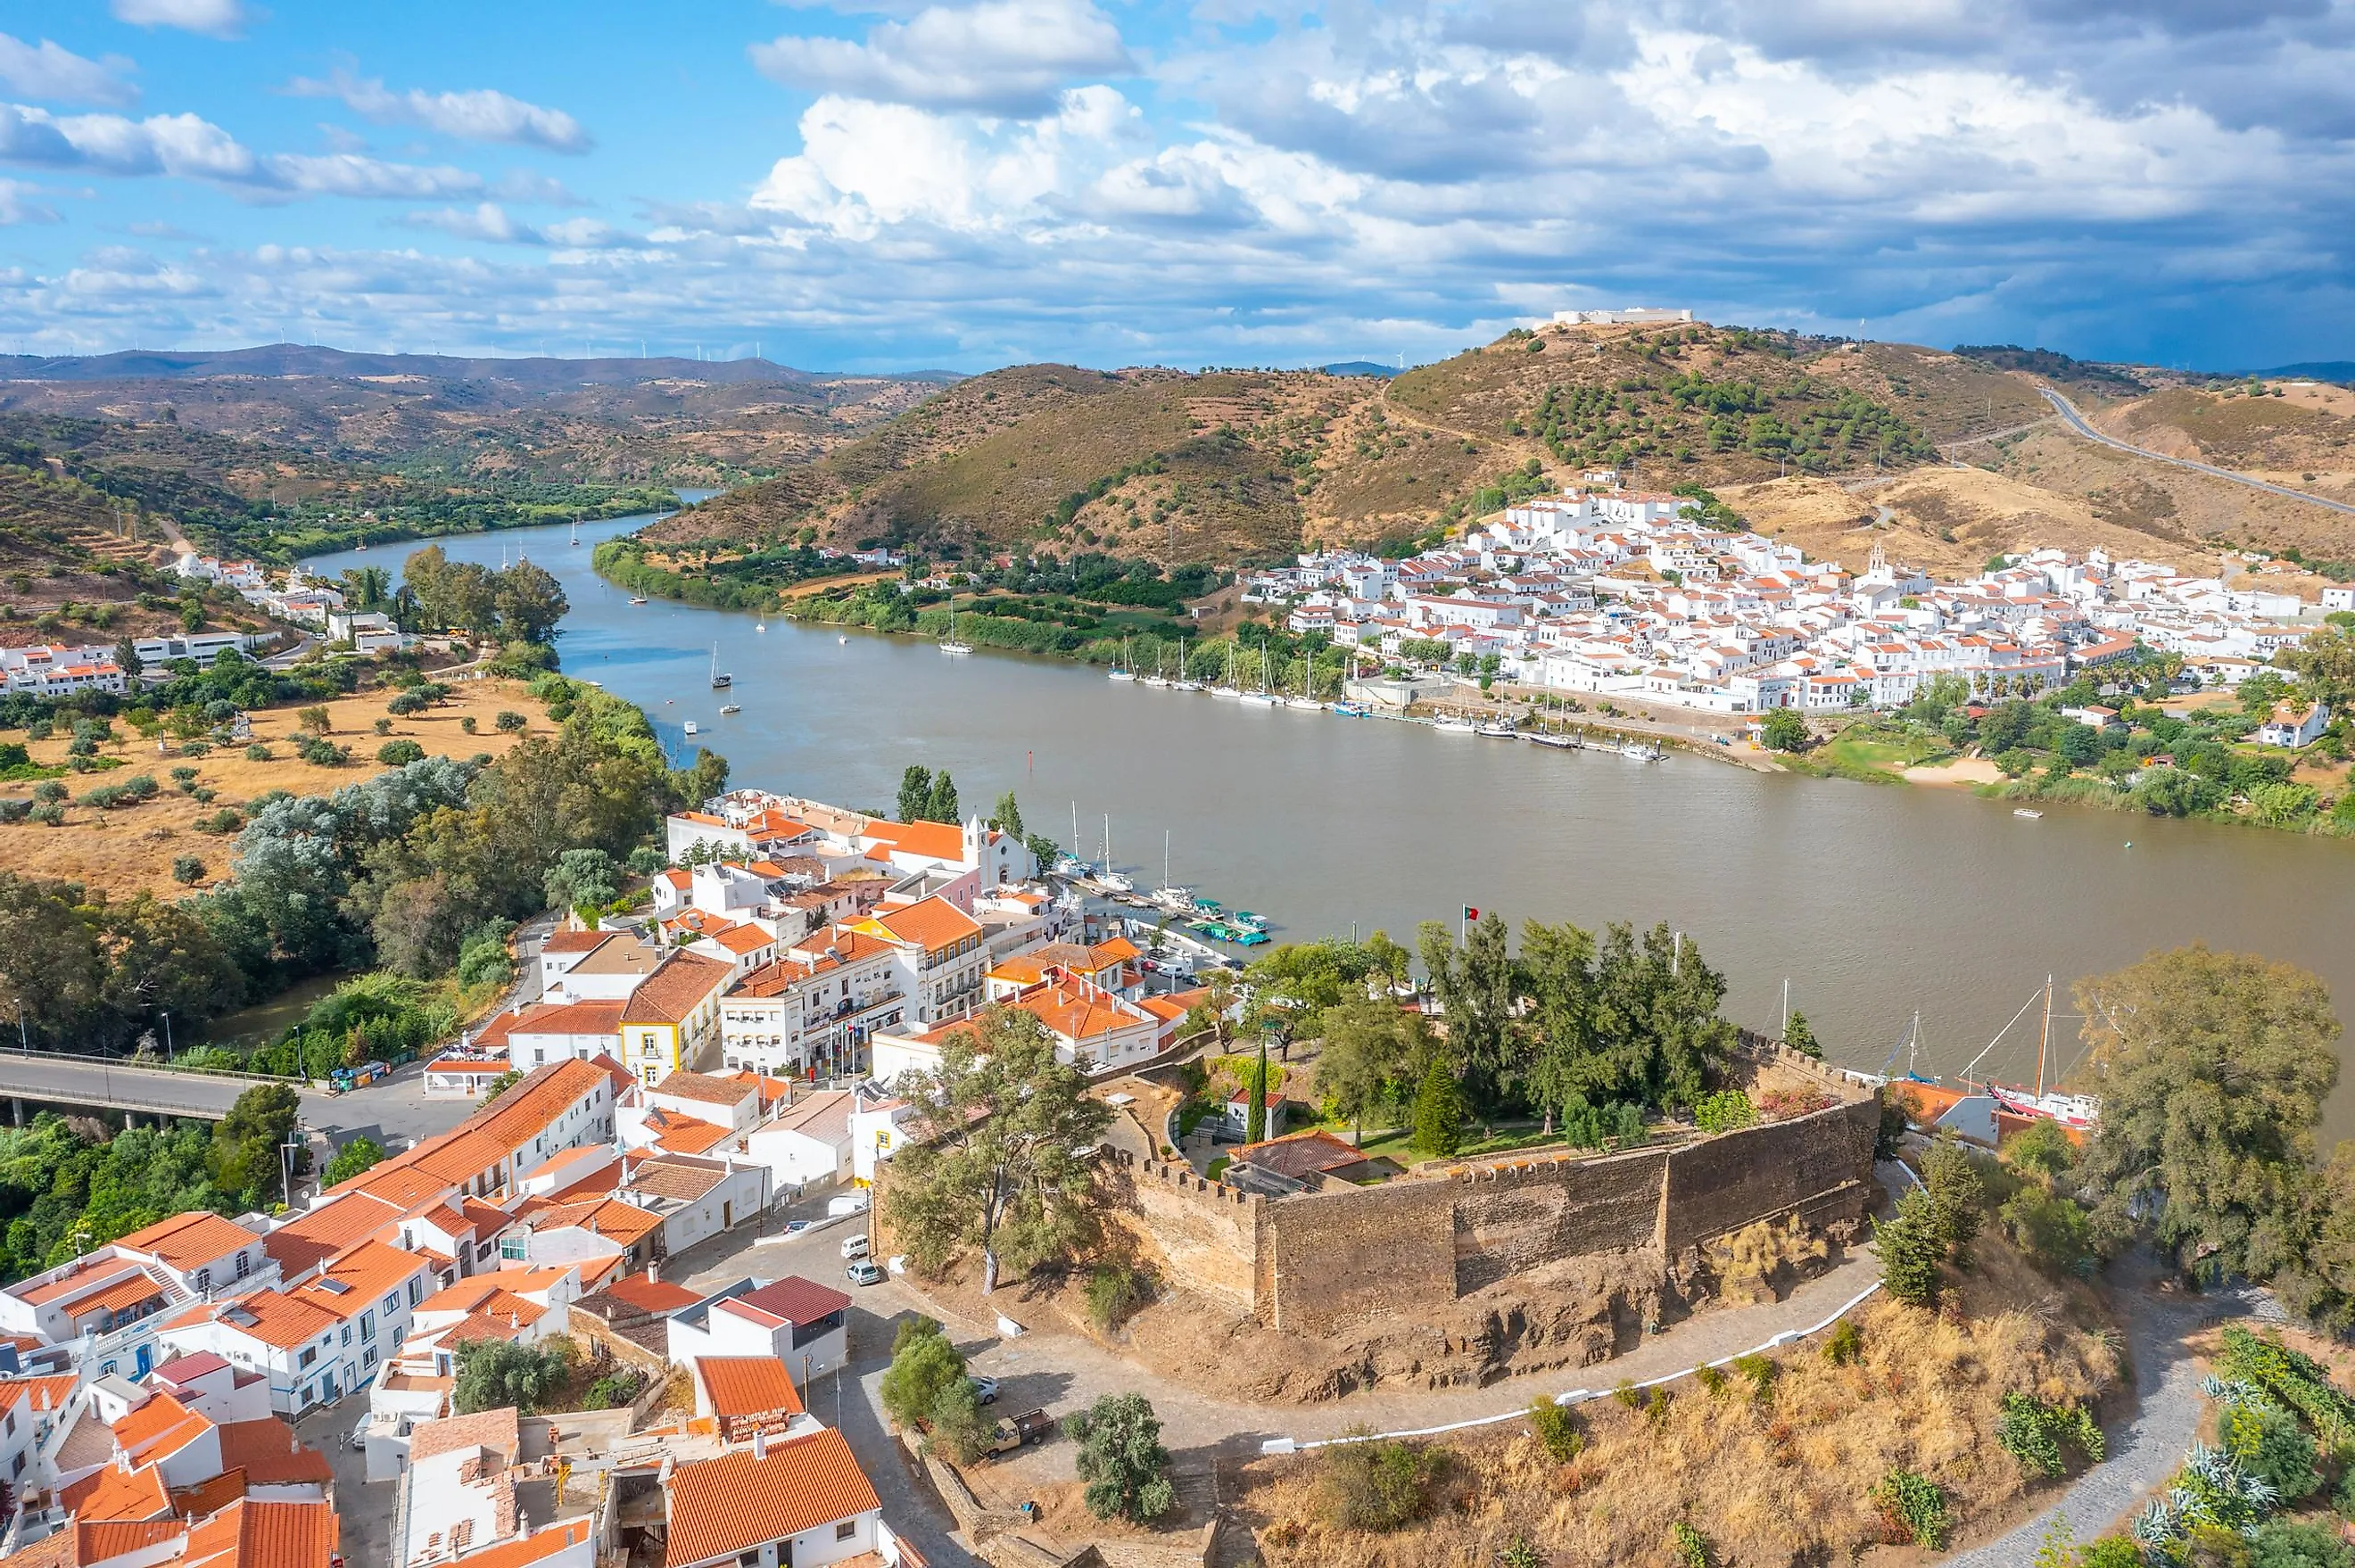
(942,805)
(50,959)
(498,1086)
(1006,1171)
(247,1141)
(492,1374)
(1255,1109)
(2325,664)
(1956,1195)
(2212,1068)
(1912,1248)
(1368,1047)
(1439,1113)
(924,1361)
(1121,1458)
(394,754)
(528,602)
(187,869)
(1800,1038)
(915,794)
(315,719)
(355,1158)
(1784,730)
(582,877)
(1478,991)
(1007,817)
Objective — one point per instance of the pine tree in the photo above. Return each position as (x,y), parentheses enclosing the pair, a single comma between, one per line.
(1912,1248)
(1255,1113)
(915,794)
(1800,1038)
(1438,1111)
(943,806)
(1007,818)
(1956,1196)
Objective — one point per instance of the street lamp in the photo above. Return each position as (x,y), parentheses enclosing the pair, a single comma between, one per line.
(167,1040)
(286,1165)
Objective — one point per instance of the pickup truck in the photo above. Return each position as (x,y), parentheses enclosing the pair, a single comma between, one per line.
(1013,1432)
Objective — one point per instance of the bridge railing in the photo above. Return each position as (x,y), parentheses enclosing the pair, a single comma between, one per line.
(126,1064)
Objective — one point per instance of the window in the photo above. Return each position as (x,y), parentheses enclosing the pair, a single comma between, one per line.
(347,1333)
(304,1360)
(368,1357)
(846,1529)
(417,1288)
(367,1326)
(243,1264)
(392,1302)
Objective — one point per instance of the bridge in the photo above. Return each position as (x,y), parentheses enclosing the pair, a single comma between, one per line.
(391,1109)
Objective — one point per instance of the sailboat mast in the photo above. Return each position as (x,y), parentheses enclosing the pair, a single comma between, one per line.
(2045,1043)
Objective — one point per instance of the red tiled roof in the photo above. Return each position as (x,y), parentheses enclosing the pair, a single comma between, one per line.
(536,1547)
(248,1534)
(269,1453)
(797,1300)
(705,1088)
(724,1506)
(487,1429)
(675,990)
(748,1387)
(652,1295)
(188,1240)
(931,923)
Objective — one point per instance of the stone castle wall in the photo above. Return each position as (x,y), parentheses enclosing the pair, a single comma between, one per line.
(1324,1263)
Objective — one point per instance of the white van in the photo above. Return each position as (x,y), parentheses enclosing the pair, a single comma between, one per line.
(854,1247)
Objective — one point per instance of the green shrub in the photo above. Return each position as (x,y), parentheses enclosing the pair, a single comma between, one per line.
(1915,1508)
(1691,1550)
(1381,1485)
(1121,1459)
(2032,1431)
(2271,1446)
(258,753)
(2295,1379)
(614,1390)
(1557,1429)
(399,754)
(15,810)
(48,814)
(1115,1294)
(1520,1552)
(1760,1373)
(187,869)
(47,791)
(509,721)
(2299,1543)
(1845,1343)
(1709,1378)
(185,778)
(196,748)
(2114,1552)
(1724,1111)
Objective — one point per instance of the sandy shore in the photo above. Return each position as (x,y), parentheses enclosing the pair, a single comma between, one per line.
(1961,770)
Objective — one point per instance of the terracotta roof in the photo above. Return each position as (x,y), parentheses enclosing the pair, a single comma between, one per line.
(824,1116)
(931,923)
(248,1534)
(162,1426)
(536,1547)
(935,840)
(188,1240)
(123,1293)
(797,1300)
(113,1493)
(675,1178)
(1299,1154)
(282,1321)
(674,991)
(567,1018)
(724,1506)
(301,1244)
(270,1456)
(367,1273)
(748,1387)
(705,1088)
(623,1224)
(188,1366)
(658,1297)
(574,940)
(742,939)
(692,1136)
(487,1429)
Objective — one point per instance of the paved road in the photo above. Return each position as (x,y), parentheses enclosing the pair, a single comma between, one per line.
(2068,411)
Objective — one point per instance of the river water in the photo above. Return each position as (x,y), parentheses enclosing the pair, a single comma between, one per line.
(1873,901)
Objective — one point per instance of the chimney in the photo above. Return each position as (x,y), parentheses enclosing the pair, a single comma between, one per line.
(653,1271)
(760,1442)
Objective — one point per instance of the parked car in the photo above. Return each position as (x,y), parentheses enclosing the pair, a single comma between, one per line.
(984,1389)
(865,1272)
(1029,1426)
(854,1246)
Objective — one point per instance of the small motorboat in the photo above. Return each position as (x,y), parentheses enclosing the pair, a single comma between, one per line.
(691,728)
(1499,731)
(1455,726)
(845,638)
(727,708)
(1559,743)
(2026,812)
(1350,711)
(638,598)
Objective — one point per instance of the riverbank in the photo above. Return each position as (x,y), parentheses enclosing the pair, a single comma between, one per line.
(298,536)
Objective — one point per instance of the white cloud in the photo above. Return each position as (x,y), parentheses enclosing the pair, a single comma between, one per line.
(1000,57)
(189,147)
(214,18)
(481,114)
(18,204)
(45,70)
(489,221)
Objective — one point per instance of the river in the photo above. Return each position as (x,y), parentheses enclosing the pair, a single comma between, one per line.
(1874,901)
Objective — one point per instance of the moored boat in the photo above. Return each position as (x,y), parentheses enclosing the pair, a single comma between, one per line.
(1455,726)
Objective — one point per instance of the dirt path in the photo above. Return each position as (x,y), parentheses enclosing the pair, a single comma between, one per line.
(2148,1448)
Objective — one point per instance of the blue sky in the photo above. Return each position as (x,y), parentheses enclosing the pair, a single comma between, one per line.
(902,184)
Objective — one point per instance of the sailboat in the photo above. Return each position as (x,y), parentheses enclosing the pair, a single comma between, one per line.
(1157,678)
(1108,878)
(1122,671)
(1305,700)
(1169,895)
(1230,690)
(951,645)
(1263,698)
(575,539)
(721,679)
